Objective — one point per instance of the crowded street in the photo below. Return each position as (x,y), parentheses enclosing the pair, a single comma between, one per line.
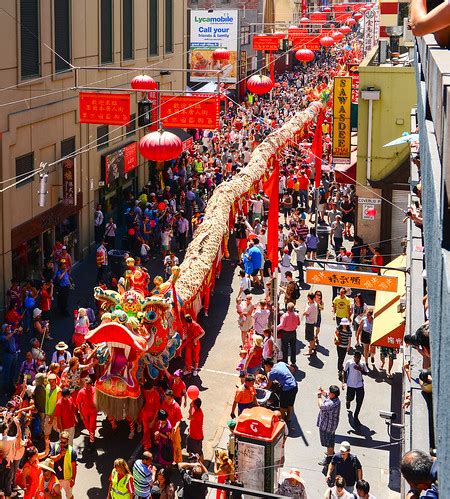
(209,294)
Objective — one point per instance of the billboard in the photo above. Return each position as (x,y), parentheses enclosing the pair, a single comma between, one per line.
(209,31)
(342,101)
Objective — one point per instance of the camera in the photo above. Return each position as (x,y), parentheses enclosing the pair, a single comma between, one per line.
(388,415)
(421,338)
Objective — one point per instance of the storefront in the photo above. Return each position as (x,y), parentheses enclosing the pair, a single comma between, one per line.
(120,180)
(33,241)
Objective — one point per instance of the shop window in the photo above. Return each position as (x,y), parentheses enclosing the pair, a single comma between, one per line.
(26,260)
(63,31)
(30,63)
(130,128)
(102,137)
(24,168)
(169,27)
(127,30)
(67,233)
(106,27)
(153,27)
(67,147)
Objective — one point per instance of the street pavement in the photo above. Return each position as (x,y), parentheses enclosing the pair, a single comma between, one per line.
(218,380)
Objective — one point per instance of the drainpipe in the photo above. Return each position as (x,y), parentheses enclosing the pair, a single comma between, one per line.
(370,94)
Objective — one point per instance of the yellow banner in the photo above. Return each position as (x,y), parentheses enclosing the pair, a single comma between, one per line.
(358,280)
(342,105)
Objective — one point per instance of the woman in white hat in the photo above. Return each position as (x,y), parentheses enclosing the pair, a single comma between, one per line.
(61,355)
(292,485)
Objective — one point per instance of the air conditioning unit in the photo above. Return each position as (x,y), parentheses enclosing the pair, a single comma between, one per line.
(408,37)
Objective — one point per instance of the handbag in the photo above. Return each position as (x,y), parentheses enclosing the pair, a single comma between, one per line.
(337,338)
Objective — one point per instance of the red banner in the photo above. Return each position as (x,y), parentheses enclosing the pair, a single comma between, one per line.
(190,111)
(310,42)
(107,109)
(265,42)
(153,98)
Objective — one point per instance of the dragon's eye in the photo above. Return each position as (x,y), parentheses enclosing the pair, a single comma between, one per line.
(151,316)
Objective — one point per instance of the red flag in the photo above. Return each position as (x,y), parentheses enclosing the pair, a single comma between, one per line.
(317,149)
(271,190)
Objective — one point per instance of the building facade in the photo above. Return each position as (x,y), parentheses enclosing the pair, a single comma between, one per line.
(40,121)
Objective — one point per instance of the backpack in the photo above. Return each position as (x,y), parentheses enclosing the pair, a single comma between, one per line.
(100,258)
(296,292)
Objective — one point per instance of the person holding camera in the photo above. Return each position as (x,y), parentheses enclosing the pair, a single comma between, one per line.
(328,419)
(197,471)
(9,352)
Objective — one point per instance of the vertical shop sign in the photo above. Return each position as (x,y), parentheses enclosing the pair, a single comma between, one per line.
(342,100)
(69,182)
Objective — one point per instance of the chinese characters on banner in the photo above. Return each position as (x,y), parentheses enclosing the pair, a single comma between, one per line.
(120,162)
(153,98)
(69,182)
(190,111)
(342,100)
(359,280)
(265,42)
(107,109)
(302,41)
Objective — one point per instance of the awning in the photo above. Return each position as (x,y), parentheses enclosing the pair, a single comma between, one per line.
(389,324)
(346,174)
(187,139)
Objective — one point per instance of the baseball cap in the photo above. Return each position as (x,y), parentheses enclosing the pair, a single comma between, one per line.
(345,446)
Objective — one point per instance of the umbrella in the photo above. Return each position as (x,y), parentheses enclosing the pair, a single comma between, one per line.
(406,137)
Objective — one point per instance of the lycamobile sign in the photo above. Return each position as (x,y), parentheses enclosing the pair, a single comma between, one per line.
(210,31)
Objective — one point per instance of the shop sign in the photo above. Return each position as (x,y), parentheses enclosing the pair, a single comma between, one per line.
(190,111)
(106,109)
(265,42)
(209,31)
(358,280)
(188,144)
(369,200)
(243,65)
(368,212)
(342,101)
(69,182)
(119,162)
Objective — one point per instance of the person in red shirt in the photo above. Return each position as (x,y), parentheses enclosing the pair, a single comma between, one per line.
(177,385)
(303,181)
(194,441)
(46,299)
(192,345)
(149,411)
(377,259)
(174,416)
(65,414)
(87,409)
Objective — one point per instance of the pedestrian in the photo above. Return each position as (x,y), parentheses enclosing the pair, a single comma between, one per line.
(341,306)
(52,395)
(224,470)
(391,355)
(174,416)
(364,335)
(193,333)
(261,317)
(338,491)
(244,309)
(337,233)
(320,307)
(61,355)
(287,329)
(65,414)
(358,311)
(245,396)
(121,484)
(270,349)
(64,284)
(300,249)
(194,440)
(343,342)
(417,468)
(312,242)
(110,233)
(162,436)
(8,347)
(64,458)
(196,471)
(98,223)
(328,420)
(49,485)
(163,488)
(346,465)
(292,485)
(101,258)
(149,412)
(182,225)
(362,489)
(291,290)
(143,476)
(31,472)
(354,370)
(310,314)
(281,373)
(85,403)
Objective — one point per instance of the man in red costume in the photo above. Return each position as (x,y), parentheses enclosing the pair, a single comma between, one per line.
(86,407)
(192,345)
(152,404)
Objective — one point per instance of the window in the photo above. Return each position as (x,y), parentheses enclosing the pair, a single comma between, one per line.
(130,129)
(62,35)
(153,27)
(67,147)
(106,31)
(102,137)
(29,39)
(127,29)
(24,165)
(169,26)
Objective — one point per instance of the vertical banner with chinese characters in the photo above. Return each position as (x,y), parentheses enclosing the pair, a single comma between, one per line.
(342,101)
(212,29)
(69,182)
(107,109)
(190,111)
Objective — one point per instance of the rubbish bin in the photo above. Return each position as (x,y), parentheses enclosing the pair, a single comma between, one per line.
(116,260)
(323,233)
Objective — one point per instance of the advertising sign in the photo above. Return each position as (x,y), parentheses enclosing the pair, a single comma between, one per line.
(265,42)
(106,109)
(69,182)
(342,101)
(119,162)
(359,280)
(209,31)
(190,111)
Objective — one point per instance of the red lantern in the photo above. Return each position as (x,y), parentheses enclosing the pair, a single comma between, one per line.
(143,83)
(221,55)
(350,22)
(326,41)
(337,36)
(304,55)
(259,84)
(160,146)
(304,20)
(193,392)
(345,30)
(357,16)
